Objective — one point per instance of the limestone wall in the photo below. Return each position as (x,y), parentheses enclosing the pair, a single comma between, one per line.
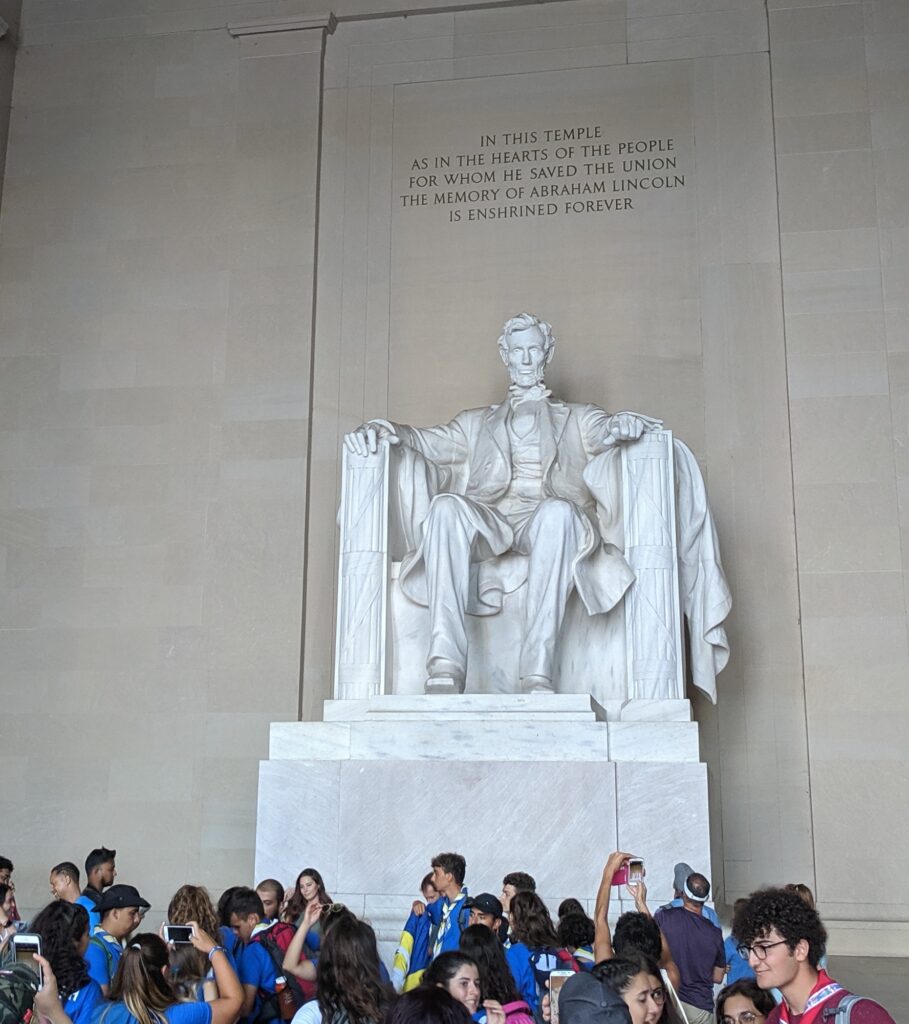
(171,396)
(158,242)
(9,11)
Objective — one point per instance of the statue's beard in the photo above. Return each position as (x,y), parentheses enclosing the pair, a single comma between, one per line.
(526,380)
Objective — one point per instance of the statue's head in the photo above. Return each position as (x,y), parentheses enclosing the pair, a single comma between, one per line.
(526,346)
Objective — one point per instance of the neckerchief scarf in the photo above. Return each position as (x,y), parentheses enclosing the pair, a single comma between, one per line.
(824,989)
(445,923)
(536,393)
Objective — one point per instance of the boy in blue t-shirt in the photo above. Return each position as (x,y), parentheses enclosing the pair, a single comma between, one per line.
(120,908)
(255,966)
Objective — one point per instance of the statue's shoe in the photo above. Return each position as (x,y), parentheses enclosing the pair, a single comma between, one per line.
(444,684)
(536,684)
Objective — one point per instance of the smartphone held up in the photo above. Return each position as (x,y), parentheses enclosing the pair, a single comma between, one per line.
(25,946)
(630,873)
(556,980)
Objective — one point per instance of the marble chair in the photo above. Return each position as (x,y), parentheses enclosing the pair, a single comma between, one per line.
(633,652)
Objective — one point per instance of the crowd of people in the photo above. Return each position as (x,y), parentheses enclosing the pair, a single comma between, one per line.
(268,954)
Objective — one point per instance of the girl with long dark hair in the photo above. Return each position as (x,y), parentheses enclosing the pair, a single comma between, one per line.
(349,976)
(535,944)
(459,975)
(497,984)
(141,991)
(309,894)
(63,928)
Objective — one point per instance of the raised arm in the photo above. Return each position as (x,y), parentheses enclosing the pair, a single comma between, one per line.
(225,1008)
(602,942)
(303,969)
(639,892)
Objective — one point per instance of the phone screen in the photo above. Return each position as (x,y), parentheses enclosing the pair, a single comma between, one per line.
(635,872)
(179,934)
(556,980)
(26,946)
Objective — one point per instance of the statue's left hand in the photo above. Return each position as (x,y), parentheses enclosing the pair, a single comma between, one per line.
(629,426)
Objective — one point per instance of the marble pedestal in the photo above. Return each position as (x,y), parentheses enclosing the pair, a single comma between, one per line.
(544,783)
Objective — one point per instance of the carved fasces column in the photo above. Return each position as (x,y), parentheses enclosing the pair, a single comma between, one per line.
(363,575)
(653,627)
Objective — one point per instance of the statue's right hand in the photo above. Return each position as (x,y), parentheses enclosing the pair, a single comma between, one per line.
(365,439)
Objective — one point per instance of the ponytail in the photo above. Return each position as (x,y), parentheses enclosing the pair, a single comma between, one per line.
(140,983)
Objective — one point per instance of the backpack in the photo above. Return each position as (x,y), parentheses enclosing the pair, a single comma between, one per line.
(282,933)
(546,960)
(105,946)
(300,991)
(18,985)
(844,1006)
(518,1013)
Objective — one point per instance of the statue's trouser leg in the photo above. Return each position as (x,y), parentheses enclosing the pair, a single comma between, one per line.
(552,538)
(448,535)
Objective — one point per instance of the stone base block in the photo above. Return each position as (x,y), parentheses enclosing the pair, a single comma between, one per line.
(370,800)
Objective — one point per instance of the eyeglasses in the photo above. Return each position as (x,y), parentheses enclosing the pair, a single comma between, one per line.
(658,995)
(332,908)
(760,950)
(747,1017)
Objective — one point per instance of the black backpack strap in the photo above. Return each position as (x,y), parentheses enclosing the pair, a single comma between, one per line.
(267,942)
(270,945)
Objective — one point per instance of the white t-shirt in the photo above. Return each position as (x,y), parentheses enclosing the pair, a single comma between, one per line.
(309,1013)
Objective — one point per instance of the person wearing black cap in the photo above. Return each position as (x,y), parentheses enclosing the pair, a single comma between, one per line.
(487,910)
(697,948)
(120,909)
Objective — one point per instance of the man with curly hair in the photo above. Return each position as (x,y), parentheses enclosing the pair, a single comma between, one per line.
(783,939)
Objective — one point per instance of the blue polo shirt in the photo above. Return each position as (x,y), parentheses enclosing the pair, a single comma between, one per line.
(178,1013)
(256,967)
(101,966)
(79,1006)
(94,918)
(518,957)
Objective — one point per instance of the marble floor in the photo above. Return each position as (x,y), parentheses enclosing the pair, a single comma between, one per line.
(882,978)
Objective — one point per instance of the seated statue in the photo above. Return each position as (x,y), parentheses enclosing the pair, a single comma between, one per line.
(526,476)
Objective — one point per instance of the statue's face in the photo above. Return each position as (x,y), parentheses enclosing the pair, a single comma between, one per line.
(526,356)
